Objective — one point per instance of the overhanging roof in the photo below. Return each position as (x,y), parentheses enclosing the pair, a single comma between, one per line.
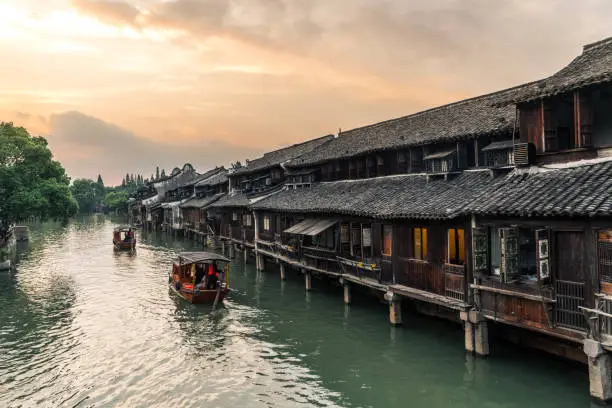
(194,257)
(310,227)
(500,145)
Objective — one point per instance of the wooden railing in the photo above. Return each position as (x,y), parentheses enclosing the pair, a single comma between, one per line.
(442,279)
(266,236)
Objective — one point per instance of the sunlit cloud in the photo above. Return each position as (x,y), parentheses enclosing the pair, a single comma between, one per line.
(257,74)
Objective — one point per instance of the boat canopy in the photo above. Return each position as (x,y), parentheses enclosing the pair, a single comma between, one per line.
(195,257)
(124,228)
(310,227)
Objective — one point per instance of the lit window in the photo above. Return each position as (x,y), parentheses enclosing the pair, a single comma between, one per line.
(266,222)
(387,240)
(456,246)
(420,243)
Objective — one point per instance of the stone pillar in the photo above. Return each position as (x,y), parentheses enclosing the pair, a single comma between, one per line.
(395,308)
(308,280)
(223,247)
(347,292)
(231,251)
(476,332)
(246,255)
(282,271)
(600,371)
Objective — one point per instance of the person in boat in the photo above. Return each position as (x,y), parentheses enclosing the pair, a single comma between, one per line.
(201,276)
(213,276)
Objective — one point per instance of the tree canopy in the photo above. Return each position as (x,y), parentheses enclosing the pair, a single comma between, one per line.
(32,184)
(88,194)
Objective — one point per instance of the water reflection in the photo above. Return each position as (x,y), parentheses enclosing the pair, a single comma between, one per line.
(83,324)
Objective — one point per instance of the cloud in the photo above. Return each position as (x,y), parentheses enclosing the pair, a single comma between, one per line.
(469,45)
(88,146)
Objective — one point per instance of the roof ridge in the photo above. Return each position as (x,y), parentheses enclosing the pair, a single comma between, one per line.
(305,142)
(436,108)
(596,44)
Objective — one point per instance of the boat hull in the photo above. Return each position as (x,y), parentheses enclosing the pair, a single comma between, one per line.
(125,246)
(203,297)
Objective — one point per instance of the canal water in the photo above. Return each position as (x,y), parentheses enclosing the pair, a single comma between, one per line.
(84,326)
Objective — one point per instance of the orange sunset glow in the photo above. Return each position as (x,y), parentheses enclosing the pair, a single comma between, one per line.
(121,86)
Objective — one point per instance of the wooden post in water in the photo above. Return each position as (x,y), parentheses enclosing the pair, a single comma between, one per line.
(246,255)
(282,271)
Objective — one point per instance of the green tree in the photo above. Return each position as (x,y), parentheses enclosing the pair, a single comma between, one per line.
(163,173)
(116,200)
(84,191)
(156,173)
(32,184)
(100,189)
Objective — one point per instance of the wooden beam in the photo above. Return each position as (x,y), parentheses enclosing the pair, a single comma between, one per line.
(577,131)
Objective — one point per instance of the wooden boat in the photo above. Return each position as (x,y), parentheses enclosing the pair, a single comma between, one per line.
(124,238)
(200,277)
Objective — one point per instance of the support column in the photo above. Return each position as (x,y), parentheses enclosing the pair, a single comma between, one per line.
(232,250)
(308,280)
(600,371)
(347,292)
(223,247)
(246,255)
(259,262)
(282,271)
(476,332)
(395,308)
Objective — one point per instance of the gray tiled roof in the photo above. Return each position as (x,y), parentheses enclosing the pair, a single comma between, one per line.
(459,120)
(583,190)
(406,196)
(201,202)
(279,156)
(213,177)
(235,199)
(593,66)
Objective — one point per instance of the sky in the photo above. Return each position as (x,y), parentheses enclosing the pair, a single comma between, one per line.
(127,85)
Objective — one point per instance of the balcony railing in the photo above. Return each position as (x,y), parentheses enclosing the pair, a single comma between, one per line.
(442,279)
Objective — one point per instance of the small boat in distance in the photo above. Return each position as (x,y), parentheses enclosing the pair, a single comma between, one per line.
(124,238)
(200,277)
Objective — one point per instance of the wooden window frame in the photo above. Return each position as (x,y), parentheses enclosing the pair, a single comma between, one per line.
(459,258)
(387,228)
(267,222)
(422,252)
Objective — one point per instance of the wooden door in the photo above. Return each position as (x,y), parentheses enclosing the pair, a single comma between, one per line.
(570,279)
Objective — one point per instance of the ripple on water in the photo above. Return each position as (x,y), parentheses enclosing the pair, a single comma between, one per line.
(85,325)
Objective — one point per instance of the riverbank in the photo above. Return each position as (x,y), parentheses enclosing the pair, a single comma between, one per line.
(100,328)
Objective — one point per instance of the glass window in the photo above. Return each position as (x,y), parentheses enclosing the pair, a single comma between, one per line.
(604,255)
(266,222)
(495,251)
(420,243)
(387,240)
(456,246)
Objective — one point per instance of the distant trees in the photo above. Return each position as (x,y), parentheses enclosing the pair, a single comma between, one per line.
(86,192)
(32,184)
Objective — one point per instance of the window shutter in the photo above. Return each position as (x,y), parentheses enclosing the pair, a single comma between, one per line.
(480,250)
(543,253)
(509,253)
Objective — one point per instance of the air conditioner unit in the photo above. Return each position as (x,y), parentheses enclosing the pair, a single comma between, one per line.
(524,154)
